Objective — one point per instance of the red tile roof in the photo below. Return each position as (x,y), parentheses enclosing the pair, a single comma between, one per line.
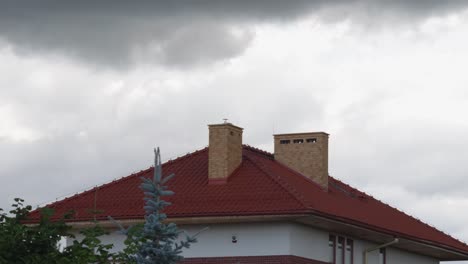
(260,186)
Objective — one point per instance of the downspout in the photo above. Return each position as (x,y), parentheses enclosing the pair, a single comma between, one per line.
(378,247)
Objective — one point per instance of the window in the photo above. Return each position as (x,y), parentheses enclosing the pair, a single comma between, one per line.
(332,248)
(382,256)
(349,251)
(311,140)
(340,250)
(285,141)
(298,141)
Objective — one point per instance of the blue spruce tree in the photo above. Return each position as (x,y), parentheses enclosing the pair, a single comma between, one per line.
(157,242)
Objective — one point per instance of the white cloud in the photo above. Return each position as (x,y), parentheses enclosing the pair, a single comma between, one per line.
(392,98)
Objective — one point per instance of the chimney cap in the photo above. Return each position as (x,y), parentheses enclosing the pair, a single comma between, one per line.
(303,133)
(224,125)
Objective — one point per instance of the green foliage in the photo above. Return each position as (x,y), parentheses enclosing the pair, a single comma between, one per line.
(90,249)
(38,244)
(132,244)
(23,244)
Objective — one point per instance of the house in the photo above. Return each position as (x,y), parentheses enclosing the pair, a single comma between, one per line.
(269,208)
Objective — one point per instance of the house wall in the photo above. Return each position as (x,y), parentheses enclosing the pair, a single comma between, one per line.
(273,239)
(254,239)
(396,256)
(393,255)
(359,247)
(309,242)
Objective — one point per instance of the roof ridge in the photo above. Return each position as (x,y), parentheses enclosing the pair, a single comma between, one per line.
(294,193)
(300,174)
(354,190)
(113,182)
(121,179)
(189,154)
(398,210)
(271,155)
(258,151)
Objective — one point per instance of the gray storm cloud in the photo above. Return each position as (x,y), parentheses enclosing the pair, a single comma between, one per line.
(394,105)
(120,34)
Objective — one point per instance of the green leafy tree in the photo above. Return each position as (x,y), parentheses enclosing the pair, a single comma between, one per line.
(38,243)
(90,249)
(21,243)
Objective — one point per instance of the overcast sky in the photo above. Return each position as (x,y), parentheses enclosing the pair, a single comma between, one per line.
(87,90)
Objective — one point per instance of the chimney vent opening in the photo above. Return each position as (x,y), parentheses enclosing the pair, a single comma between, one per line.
(298,141)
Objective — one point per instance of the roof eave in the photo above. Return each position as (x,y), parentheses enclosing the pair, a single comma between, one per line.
(379,235)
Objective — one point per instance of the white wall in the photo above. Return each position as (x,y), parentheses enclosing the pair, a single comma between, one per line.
(309,242)
(396,256)
(277,238)
(255,239)
(359,247)
(393,255)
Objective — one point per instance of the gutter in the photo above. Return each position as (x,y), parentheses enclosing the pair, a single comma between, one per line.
(378,247)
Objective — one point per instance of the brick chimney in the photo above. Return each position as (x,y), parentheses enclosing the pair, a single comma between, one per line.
(306,153)
(224,151)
